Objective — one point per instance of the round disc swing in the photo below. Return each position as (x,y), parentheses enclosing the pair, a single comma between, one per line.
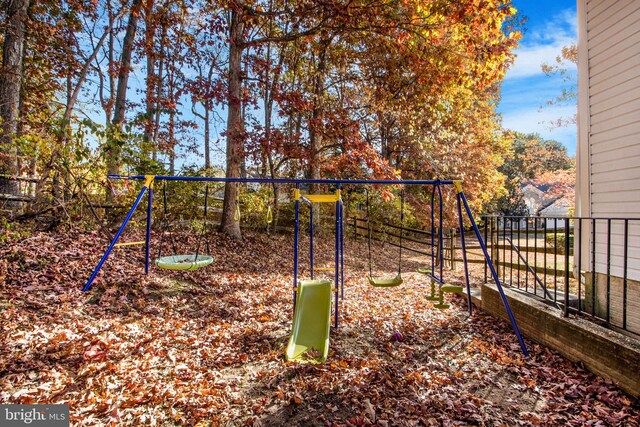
(380,282)
(187,262)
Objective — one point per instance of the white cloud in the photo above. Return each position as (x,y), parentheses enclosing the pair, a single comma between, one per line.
(543,44)
(529,120)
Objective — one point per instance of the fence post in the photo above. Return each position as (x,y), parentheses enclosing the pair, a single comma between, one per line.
(488,242)
(496,237)
(437,248)
(355,227)
(566,267)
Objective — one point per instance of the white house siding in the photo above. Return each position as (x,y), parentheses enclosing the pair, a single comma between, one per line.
(613,46)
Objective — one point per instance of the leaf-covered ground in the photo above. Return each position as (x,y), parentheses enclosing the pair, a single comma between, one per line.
(206,347)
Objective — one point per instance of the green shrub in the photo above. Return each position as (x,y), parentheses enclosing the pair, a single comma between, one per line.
(558,241)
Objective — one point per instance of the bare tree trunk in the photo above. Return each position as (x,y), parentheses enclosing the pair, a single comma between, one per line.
(235,125)
(207,136)
(159,89)
(10,81)
(207,104)
(172,139)
(208,107)
(243,159)
(114,147)
(150,104)
(316,125)
(317,115)
(207,131)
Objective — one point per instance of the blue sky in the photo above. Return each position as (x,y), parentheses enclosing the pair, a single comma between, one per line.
(550,26)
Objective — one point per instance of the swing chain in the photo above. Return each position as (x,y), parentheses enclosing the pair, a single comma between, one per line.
(204,225)
(165,222)
(401,229)
(369,234)
(269,217)
(236,212)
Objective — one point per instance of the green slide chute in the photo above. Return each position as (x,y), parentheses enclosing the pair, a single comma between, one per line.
(309,341)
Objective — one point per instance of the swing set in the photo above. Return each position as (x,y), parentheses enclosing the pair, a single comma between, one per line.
(312,298)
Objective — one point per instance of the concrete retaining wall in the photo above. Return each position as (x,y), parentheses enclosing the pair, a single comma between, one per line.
(616,292)
(604,352)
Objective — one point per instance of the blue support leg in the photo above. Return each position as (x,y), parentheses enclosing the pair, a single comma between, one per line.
(464,256)
(494,274)
(336,262)
(433,231)
(311,240)
(87,286)
(440,236)
(296,229)
(342,249)
(147,247)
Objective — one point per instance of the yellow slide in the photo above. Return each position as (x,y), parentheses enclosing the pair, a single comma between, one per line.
(309,341)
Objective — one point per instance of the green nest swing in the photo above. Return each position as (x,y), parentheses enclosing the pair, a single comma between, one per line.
(183,262)
(186,262)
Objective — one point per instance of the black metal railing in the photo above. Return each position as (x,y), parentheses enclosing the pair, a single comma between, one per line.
(451,246)
(390,234)
(582,265)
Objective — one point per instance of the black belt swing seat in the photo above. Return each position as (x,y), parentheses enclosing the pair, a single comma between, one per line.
(379,282)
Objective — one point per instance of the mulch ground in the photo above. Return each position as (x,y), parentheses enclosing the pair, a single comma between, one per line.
(207,347)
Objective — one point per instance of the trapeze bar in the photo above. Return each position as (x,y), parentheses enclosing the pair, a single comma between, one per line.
(117,245)
(289,180)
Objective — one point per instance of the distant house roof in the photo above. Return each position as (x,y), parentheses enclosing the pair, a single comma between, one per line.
(530,188)
(559,207)
(539,202)
(533,198)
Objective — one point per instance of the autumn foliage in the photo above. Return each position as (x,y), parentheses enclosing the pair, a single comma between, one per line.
(306,89)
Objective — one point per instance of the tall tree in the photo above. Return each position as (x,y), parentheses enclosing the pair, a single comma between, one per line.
(10,79)
(241,17)
(205,53)
(151,103)
(531,156)
(235,123)
(115,132)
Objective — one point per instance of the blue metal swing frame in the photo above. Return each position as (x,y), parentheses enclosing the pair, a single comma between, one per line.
(147,188)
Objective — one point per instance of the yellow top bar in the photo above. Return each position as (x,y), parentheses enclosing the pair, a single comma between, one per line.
(324,198)
(458,185)
(318,198)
